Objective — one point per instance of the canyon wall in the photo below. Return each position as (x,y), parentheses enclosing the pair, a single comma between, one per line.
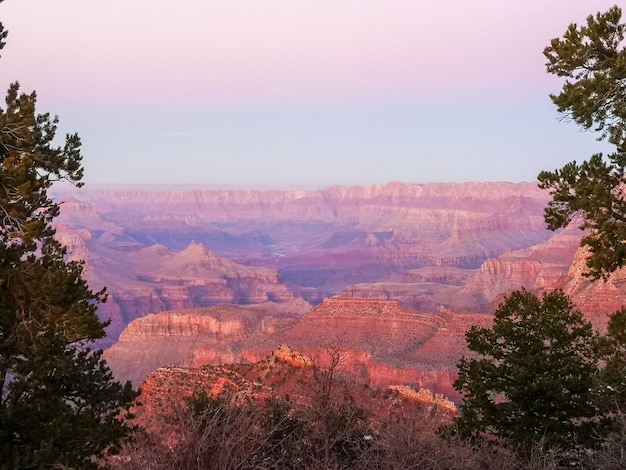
(167,249)
(381,343)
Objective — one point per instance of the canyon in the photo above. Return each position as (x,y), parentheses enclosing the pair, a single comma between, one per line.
(280,245)
(390,275)
(381,343)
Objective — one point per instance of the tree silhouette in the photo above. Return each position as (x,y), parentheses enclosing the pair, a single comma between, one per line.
(59,403)
(592,59)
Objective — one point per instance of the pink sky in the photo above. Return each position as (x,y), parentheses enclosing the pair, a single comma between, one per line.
(299,92)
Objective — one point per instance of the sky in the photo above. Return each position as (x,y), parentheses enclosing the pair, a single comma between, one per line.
(299,93)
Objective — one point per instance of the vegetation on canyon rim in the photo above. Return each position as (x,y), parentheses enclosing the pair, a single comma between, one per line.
(59,404)
(541,377)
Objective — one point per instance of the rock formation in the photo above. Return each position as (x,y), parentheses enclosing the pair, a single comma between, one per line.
(199,336)
(284,372)
(380,342)
(596,299)
(142,280)
(537,268)
(165,249)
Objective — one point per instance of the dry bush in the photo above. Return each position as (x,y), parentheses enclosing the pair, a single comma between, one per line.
(223,434)
(205,433)
(610,454)
(410,443)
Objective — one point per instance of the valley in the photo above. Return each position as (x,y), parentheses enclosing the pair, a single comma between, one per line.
(391,275)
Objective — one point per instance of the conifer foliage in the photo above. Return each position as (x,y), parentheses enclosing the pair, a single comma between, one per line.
(592,59)
(534,375)
(540,374)
(59,404)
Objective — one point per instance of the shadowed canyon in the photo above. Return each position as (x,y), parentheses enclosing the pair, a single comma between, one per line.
(390,275)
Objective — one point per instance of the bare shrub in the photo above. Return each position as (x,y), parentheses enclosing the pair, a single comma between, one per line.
(610,454)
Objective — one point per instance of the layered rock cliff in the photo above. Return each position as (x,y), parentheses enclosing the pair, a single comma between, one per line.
(194,337)
(140,243)
(381,343)
(284,373)
(439,249)
(143,280)
(541,267)
(596,299)
(537,268)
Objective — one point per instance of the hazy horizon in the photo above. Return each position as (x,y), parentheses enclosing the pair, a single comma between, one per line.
(66,188)
(313,94)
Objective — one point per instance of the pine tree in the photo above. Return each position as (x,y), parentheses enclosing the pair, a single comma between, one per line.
(534,375)
(612,352)
(592,59)
(59,404)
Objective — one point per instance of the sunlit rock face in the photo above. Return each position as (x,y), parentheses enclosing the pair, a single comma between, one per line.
(596,299)
(381,343)
(284,373)
(538,268)
(199,336)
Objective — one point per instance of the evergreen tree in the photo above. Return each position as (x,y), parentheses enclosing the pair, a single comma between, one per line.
(59,404)
(534,374)
(612,352)
(592,59)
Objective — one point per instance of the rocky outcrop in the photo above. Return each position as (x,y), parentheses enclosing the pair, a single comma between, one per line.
(210,280)
(425,396)
(166,389)
(385,344)
(596,299)
(199,336)
(287,355)
(380,342)
(384,329)
(540,267)
(141,281)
